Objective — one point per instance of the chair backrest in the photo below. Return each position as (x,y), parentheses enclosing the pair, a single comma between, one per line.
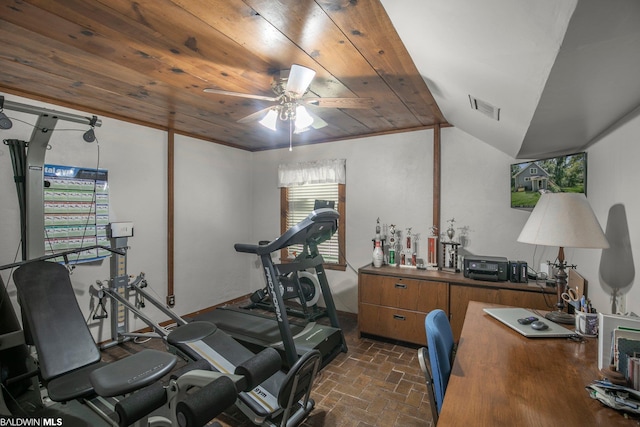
(55,322)
(297,384)
(440,344)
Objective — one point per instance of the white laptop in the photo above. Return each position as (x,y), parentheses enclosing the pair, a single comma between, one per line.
(509,316)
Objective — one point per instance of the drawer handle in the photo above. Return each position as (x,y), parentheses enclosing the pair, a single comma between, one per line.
(401,286)
(399,317)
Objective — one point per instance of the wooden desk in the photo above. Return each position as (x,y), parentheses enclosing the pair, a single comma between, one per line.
(501,378)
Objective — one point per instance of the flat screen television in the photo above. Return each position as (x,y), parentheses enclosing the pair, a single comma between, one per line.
(562,174)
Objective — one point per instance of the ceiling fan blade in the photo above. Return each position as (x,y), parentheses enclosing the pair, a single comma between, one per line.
(255,116)
(364,103)
(241,95)
(317,123)
(299,80)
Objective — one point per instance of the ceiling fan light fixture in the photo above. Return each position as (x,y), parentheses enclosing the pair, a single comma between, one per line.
(303,119)
(270,120)
(290,88)
(299,80)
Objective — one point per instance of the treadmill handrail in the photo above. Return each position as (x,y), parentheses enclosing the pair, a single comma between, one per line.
(318,216)
(246,247)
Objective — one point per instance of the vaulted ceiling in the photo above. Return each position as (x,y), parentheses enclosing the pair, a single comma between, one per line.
(561,72)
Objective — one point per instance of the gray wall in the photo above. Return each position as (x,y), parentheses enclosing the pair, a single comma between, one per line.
(612,189)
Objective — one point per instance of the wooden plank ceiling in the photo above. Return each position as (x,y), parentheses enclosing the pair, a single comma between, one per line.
(148,61)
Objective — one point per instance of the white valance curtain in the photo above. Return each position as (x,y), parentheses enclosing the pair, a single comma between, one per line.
(317,172)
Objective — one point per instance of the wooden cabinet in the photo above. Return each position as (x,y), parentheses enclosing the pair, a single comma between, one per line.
(393,301)
(461,294)
(395,306)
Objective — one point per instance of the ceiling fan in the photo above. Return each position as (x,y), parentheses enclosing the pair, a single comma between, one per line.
(290,88)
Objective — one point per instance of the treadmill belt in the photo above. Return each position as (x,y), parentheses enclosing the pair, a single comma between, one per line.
(257,331)
(251,326)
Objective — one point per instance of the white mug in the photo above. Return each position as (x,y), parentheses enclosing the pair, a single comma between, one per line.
(587,324)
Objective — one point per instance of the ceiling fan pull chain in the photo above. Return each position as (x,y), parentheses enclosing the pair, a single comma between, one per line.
(290,135)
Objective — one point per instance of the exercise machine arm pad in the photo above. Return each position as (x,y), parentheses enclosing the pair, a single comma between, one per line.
(141,403)
(202,406)
(257,369)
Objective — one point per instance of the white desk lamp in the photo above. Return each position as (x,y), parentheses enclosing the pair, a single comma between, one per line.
(565,220)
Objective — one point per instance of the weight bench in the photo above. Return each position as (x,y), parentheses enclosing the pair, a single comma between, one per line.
(69,362)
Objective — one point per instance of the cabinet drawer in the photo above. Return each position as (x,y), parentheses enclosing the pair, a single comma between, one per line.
(402,325)
(407,294)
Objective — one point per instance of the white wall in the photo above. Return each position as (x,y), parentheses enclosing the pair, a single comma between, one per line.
(476,193)
(213,211)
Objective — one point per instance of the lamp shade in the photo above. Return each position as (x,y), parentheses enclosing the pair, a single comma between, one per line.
(270,120)
(299,80)
(564,220)
(303,119)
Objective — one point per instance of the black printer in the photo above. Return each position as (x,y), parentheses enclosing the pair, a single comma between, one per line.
(490,268)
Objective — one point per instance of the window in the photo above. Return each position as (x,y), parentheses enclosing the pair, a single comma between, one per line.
(533,171)
(297,203)
(301,185)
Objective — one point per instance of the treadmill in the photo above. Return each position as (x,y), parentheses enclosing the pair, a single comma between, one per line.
(292,339)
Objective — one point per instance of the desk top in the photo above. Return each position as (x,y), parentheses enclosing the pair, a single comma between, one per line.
(501,378)
(458,278)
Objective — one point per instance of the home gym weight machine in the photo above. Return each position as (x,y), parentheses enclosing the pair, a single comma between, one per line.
(130,388)
(281,399)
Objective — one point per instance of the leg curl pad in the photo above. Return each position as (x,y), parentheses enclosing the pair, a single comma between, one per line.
(257,369)
(203,405)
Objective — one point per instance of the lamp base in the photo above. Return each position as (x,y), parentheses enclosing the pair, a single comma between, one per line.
(560,317)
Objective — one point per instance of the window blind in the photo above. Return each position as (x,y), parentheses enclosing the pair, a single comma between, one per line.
(301,199)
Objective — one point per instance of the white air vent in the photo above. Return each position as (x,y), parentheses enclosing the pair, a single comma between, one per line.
(485,108)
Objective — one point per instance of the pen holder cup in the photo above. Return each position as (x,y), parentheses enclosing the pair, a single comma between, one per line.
(587,324)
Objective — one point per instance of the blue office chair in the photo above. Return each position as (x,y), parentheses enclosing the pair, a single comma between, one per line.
(441,350)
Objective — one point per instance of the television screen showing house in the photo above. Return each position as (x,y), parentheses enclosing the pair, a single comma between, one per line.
(562,174)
